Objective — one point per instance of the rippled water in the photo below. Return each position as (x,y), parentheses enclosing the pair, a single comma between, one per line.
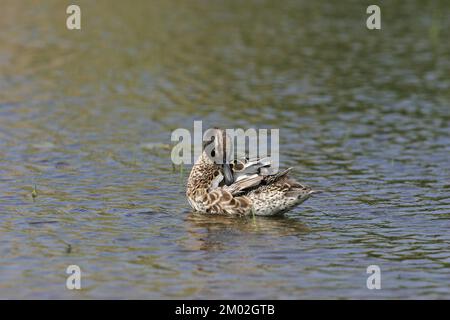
(86,117)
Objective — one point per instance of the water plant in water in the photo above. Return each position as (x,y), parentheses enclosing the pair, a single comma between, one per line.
(34,192)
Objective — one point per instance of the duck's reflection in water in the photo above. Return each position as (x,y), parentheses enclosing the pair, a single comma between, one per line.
(217,232)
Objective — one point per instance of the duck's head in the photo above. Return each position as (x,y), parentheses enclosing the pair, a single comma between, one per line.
(218,150)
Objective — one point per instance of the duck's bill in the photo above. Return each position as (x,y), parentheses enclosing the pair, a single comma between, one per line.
(228,174)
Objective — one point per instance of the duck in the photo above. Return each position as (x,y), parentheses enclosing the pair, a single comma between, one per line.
(240,187)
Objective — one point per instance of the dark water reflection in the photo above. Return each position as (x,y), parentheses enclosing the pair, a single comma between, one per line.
(86,117)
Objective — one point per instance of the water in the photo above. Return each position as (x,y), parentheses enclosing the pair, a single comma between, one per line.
(86,117)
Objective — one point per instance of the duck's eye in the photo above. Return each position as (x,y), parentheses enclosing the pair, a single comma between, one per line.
(216,173)
(208,142)
(213,153)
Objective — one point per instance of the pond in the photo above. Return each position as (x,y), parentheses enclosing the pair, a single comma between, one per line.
(86,176)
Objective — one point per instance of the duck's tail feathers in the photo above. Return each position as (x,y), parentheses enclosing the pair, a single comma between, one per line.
(277,176)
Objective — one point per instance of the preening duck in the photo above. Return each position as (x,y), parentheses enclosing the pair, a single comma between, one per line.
(241,186)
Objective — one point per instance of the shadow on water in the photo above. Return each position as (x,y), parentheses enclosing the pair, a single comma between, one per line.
(212,231)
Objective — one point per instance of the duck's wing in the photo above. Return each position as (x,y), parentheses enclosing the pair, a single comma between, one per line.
(247,167)
(250,174)
(244,183)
